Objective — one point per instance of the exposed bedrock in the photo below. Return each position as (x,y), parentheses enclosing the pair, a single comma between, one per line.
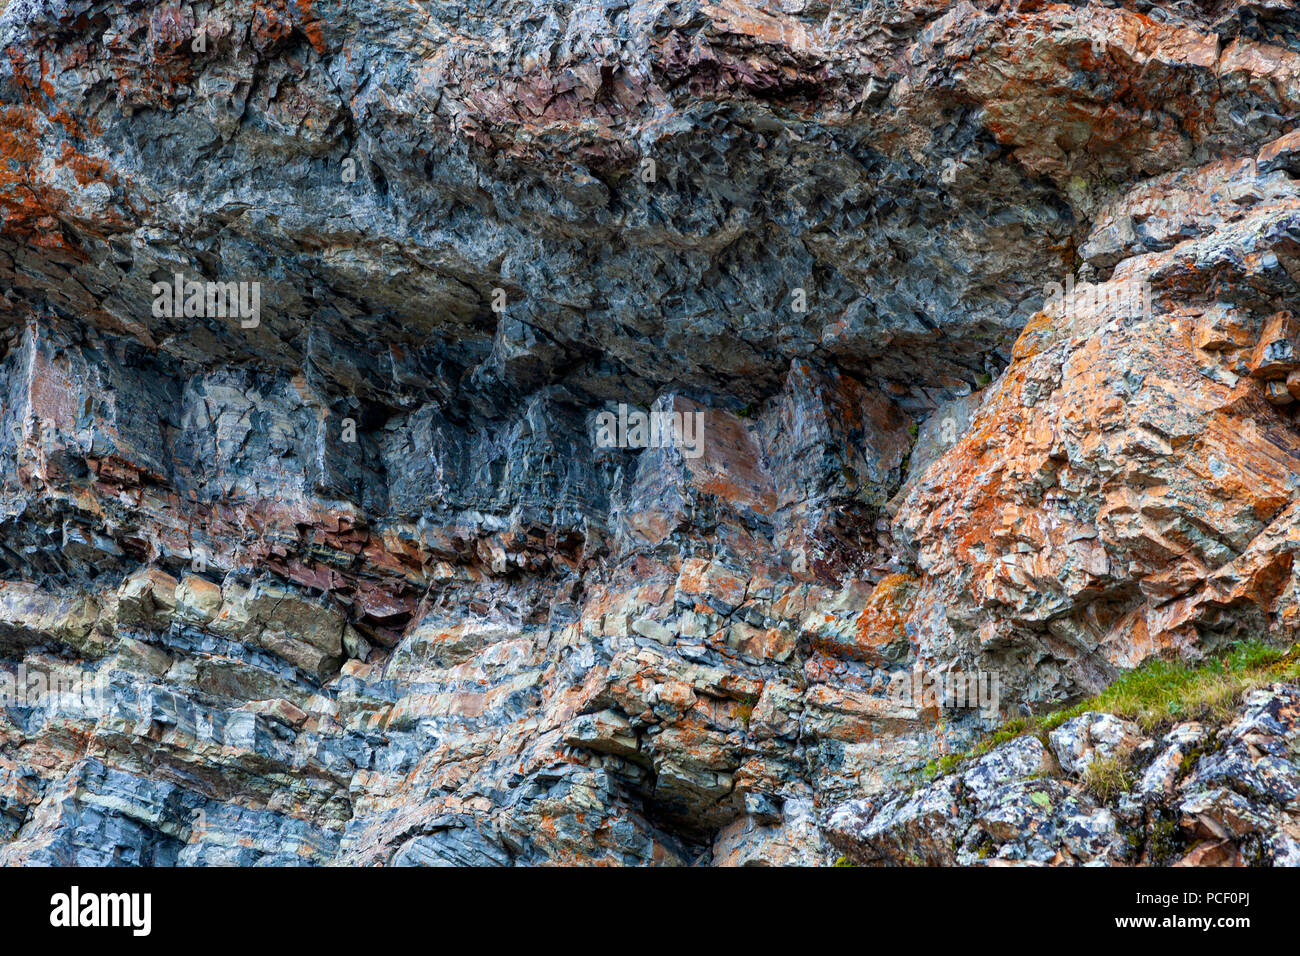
(977,317)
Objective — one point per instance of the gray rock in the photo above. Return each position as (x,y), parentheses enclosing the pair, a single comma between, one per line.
(1091,736)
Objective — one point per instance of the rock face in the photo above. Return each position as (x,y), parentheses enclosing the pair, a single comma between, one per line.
(1223,796)
(328,530)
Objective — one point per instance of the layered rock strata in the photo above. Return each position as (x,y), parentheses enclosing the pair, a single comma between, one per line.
(984,311)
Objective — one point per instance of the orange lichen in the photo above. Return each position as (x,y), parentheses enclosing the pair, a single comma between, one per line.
(881,621)
(27,205)
(310,25)
(1034,337)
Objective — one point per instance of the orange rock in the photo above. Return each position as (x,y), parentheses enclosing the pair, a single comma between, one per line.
(1278,392)
(1212,854)
(1094,497)
(1293,383)
(1276,355)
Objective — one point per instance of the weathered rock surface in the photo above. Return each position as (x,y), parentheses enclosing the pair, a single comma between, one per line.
(1229,800)
(351,580)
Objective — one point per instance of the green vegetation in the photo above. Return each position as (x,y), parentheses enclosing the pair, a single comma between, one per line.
(1106,777)
(1155,695)
(844,861)
(745,708)
(1166,843)
(983,379)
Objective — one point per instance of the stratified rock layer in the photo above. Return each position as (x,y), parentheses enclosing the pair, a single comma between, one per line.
(986,311)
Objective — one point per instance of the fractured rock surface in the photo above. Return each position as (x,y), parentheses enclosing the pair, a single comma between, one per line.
(351,580)
(1222,796)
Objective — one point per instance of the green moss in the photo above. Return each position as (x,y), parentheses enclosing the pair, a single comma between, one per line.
(844,861)
(945,764)
(1165,843)
(1016,727)
(1193,755)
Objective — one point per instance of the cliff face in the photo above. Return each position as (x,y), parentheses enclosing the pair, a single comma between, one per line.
(316,316)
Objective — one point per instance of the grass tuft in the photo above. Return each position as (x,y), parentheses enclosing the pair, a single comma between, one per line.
(745,709)
(1157,694)
(1106,778)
